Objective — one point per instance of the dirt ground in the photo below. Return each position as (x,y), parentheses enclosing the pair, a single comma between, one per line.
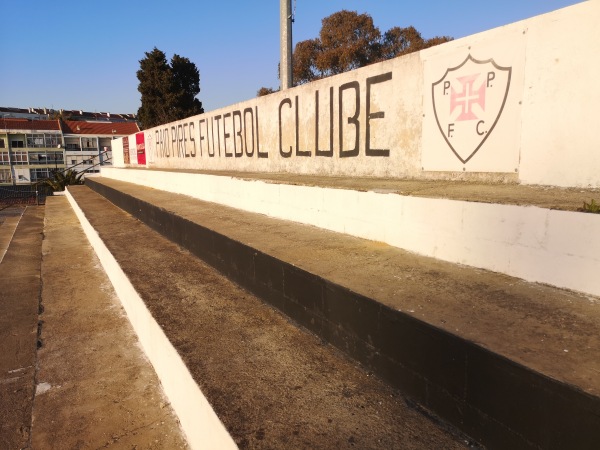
(550,330)
(272,384)
(527,322)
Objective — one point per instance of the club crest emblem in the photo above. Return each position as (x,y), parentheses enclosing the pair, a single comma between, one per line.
(468,102)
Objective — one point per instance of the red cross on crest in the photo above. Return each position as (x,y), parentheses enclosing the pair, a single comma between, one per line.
(467,98)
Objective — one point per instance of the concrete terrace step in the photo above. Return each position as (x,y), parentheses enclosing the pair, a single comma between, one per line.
(551,197)
(19,304)
(521,231)
(94,386)
(71,372)
(272,384)
(513,364)
(9,219)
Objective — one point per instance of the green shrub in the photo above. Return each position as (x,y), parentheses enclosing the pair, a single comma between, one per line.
(591,207)
(60,180)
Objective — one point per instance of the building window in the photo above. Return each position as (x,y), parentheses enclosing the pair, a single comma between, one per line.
(17,144)
(42,140)
(2,143)
(72,146)
(52,140)
(40,174)
(89,143)
(35,140)
(19,158)
(4,159)
(5,176)
(46,158)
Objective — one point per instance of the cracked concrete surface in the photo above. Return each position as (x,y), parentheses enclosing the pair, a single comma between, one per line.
(95,389)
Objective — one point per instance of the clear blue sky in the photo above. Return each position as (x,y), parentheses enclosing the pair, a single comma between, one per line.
(84,55)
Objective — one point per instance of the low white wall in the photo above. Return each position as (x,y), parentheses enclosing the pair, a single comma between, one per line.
(200,423)
(516,104)
(540,245)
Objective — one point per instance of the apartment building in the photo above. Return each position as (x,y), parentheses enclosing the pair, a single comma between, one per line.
(33,149)
(88,144)
(30,150)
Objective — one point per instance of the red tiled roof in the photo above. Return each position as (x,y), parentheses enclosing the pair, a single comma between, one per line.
(28,124)
(96,128)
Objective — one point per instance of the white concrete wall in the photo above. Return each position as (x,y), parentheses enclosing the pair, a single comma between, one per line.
(531,115)
(117,153)
(540,245)
(561,143)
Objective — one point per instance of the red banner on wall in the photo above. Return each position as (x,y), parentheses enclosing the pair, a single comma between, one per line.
(141,148)
(126,150)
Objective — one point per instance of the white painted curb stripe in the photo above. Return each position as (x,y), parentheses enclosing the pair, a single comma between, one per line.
(200,423)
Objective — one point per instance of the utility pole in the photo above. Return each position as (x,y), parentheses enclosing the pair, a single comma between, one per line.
(11,162)
(10,153)
(285,41)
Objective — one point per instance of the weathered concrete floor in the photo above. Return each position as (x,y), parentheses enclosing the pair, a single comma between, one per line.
(272,384)
(95,389)
(9,219)
(19,304)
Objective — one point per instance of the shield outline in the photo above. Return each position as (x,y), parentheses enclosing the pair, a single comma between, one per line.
(476,61)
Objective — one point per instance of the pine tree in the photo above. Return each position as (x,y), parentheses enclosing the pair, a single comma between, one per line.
(168,90)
